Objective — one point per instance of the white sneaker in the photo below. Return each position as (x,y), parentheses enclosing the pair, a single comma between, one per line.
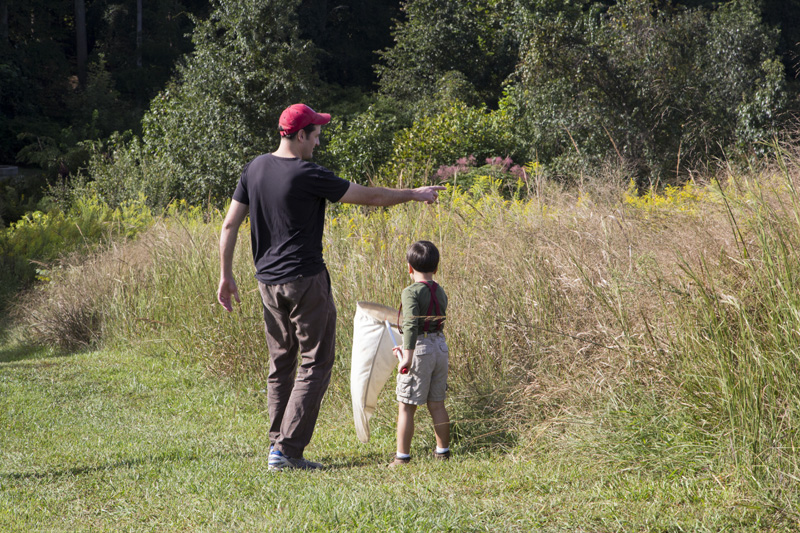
(278,462)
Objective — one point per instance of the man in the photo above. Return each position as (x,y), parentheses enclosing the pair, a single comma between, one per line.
(285,196)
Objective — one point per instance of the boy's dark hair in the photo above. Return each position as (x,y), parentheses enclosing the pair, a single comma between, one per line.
(308,129)
(423,256)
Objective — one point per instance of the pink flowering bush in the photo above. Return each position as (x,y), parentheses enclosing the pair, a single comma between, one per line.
(464,173)
(462,165)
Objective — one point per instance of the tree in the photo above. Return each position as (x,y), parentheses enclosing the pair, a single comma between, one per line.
(221,108)
(143,41)
(785,14)
(139,34)
(81,47)
(4,20)
(473,38)
(347,33)
(34,70)
(656,86)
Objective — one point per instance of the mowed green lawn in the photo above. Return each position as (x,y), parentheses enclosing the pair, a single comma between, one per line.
(117,440)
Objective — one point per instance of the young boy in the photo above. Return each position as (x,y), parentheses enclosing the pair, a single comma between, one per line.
(422,372)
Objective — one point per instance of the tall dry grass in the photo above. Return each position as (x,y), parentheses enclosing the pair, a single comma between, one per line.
(668,322)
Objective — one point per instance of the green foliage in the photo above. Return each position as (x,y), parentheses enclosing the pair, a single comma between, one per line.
(93,111)
(473,39)
(54,155)
(743,77)
(29,246)
(358,147)
(97,109)
(20,194)
(117,167)
(655,86)
(14,87)
(758,117)
(497,176)
(456,131)
(221,109)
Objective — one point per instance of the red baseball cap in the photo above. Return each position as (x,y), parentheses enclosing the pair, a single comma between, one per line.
(298,116)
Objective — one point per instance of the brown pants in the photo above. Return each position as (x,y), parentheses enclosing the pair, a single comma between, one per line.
(299,318)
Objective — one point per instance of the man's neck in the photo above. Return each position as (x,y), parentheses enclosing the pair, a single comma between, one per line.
(288,149)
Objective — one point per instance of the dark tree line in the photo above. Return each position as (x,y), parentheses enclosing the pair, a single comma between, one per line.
(564,73)
(53,52)
(89,67)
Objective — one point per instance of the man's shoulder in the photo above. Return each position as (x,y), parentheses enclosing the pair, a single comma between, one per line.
(287,165)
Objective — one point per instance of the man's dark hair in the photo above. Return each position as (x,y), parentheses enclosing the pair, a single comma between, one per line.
(423,256)
(308,129)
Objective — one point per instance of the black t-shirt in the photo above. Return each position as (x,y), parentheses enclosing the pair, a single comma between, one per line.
(287,214)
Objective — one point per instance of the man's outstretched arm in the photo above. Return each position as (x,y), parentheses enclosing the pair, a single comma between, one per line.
(382,196)
(227,243)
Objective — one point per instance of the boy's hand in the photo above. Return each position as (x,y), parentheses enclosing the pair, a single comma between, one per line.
(405,360)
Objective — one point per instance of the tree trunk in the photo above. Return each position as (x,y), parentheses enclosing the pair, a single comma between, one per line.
(3,20)
(139,33)
(80,30)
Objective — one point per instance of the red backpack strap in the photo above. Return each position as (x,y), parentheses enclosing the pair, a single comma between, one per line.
(399,319)
(433,309)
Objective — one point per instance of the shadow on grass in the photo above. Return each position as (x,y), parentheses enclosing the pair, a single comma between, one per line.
(468,438)
(487,435)
(13,348)
(382,459)
(175,456)
(359,460)
(19,352)
(480,425)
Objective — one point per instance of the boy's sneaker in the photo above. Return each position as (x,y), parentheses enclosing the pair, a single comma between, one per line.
(444,456)
(399,461)
(278,462)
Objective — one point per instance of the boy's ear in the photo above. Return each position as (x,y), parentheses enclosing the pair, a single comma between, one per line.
(410,269)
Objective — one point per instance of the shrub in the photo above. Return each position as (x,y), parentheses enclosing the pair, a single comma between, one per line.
(66,315)
(358,147)
(498,173)
(662,88)
(39,238)
(447,45)
(441,138)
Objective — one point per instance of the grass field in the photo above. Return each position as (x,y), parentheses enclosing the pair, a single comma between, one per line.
(114,440)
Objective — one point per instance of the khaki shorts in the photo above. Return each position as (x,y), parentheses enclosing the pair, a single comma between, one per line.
(426,380)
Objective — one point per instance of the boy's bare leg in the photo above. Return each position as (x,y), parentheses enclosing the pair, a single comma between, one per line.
(405,426)
(441,423)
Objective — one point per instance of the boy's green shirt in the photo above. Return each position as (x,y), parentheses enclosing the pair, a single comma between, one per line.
(416,298)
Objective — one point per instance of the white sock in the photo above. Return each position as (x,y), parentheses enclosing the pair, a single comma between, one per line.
(442,450)
(403,455)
